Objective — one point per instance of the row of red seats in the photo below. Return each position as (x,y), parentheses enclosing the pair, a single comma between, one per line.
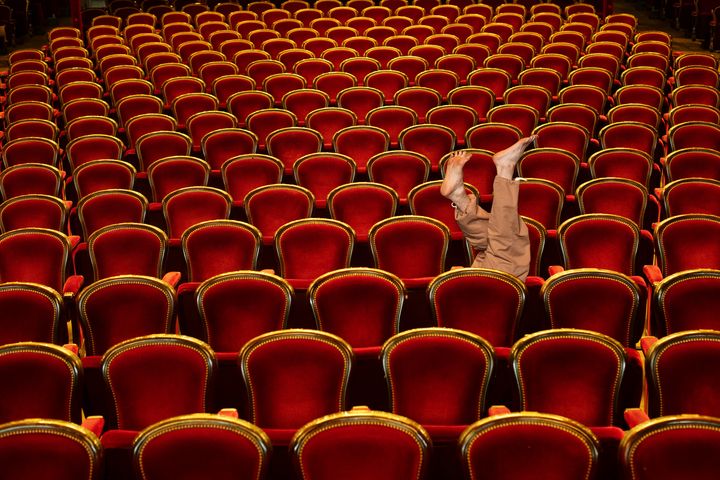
(369,443)
(181,371)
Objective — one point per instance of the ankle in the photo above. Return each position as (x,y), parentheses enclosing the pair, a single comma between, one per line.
(505,171)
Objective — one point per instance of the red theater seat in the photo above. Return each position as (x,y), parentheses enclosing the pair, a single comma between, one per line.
(361,444)
(189,446)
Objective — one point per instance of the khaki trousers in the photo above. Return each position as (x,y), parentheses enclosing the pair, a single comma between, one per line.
(500,237)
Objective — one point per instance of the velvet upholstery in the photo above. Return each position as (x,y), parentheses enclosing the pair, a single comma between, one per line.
(568,137)
(292,143)
(29,178)
(133,106)
(226,86)
(108,207)
(361,143)
(685,242)
(294,376)
(155,146)
(308,248)
(695,94)
(360,305)
(692,162)
(197,445)
(40,150)
(625,163)
(203,122)
(189,206)
(524,117)
(635,111)
(558,165)
(577,113)
(599,300)
(391,118)
(123,307)
(479,98)
(173,173)
(683,446)
(127,248)
(34,255)
(644,94)
(334,82)
(569,372)
(694,135)
(400,170)
(271,206)
(438,376)
(37,448)
(219,246)
(103,175)
(28,110)
(328,121)
(236,307)
(410,246)
(492,136)
(510,63)
(533,96)
(687,300)
(27,211)
(458,118)
(617,196)
(322,172)
(678,374)
(599,241)
(30,312)
(589,95)
(538,235)
(155,377)
(264,122)
(692,195)
(629,135)
(360,100)
(243,173)
(243,103)
(361,205)
(187,104)
(430,140)
(139,125)
(542,201)
(361,444)
(529,445)
(43,381)
(94,147)
(221,145)
(486,302)
(303,101)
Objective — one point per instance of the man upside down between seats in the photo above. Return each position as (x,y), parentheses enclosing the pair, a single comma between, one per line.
(500,237)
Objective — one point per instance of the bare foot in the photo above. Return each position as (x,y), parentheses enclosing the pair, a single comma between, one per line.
(505,160)
(452,186)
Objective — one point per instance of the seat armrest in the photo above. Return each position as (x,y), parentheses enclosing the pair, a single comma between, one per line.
(74,241)
(498,410)
(73,284)
(553,269)
(635,416)
(173,278)
(646,343)
(653,274)
(95,424)
(229,412)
